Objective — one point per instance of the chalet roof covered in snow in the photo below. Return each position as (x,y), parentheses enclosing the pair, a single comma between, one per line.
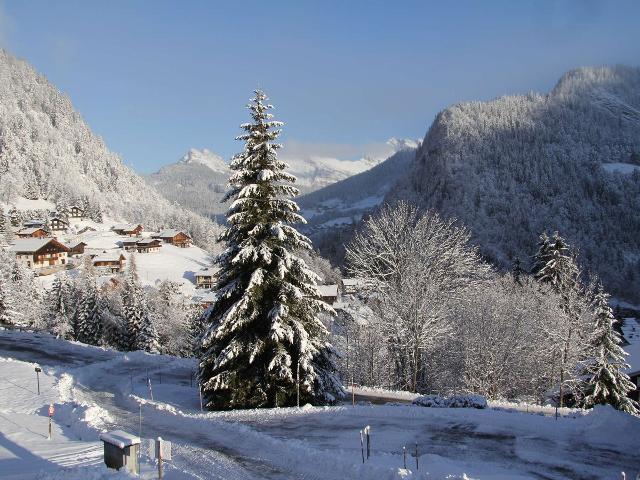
(32,245)
(633,359)
(328,290)
(108,257)
(170,233)
(126,227)
(147,241)
(33,223)
(209,272)
(29,231)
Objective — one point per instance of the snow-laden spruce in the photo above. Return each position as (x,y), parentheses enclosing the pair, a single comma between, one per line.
(264,331)
(88,315)
(608,384)
(140,332)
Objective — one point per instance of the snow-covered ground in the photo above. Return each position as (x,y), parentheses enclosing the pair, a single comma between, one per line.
(96,389)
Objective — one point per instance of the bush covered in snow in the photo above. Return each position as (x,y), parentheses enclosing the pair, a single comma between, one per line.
(453,401)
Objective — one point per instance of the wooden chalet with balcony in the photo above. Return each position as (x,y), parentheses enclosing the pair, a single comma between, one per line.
(76,248)
(58,224)
(32,232)
(110,262)
(76,212)
(148,245)
(130,244)
(128,229)
(205,278)
(328,293)
(35,253)
(175,237)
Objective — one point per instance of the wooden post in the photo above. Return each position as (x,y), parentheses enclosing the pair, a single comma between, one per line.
(367,430)
(150,389)
(200,392)
(51,410)
(417,464)
(404,456)
(362,445)
(298,384)
(159,450)
(353,394)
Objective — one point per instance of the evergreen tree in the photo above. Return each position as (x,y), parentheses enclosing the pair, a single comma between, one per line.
(58,317)
(140,332)
(553,263)
(608,384)
(264,326)
(3,225)
(89,313)
(517,271)
(8,313)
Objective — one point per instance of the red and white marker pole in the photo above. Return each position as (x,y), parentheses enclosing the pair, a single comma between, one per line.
(51,412)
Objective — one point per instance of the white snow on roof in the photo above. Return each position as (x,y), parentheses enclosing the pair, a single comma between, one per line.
(352,282)
(107,257)
(29,245)
(119,438)
(633,359)
(147,241)
(28,231)
(209,272)
(631,330)
(127,227)
(328,290)
(170,233)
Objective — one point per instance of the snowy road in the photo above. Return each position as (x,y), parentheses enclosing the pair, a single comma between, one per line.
(323,443)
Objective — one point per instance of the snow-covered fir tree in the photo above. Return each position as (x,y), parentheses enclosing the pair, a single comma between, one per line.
(3,226)
(8,312)
(608,383)
(89,320)
(553,263)
(139,329)
(58,316)
(264,326)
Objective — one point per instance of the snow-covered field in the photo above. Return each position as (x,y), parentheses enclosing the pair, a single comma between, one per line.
(95,389)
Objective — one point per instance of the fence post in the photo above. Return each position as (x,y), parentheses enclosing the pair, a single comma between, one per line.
(368,432)
(404,456)
(150,389)
(200,392)
(417,464)
(362,445)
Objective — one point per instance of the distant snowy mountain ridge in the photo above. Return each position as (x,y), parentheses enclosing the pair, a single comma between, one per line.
(198,180)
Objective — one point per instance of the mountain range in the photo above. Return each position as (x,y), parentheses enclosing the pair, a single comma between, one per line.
(198,180)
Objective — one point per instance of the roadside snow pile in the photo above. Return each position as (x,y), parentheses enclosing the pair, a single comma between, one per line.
(605,424)
(454,401)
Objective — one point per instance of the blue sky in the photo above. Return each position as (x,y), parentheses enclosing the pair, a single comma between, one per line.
(155,78)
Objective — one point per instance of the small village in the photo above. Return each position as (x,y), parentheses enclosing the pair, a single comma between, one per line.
(59,242)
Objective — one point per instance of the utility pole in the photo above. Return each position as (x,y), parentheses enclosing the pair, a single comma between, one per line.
(298,383)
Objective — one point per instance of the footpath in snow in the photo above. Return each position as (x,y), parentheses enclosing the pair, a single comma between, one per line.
(96,389)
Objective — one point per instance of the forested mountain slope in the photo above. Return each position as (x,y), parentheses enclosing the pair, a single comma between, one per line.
(333,211)
(197,182)
(47,151)
(519,165)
